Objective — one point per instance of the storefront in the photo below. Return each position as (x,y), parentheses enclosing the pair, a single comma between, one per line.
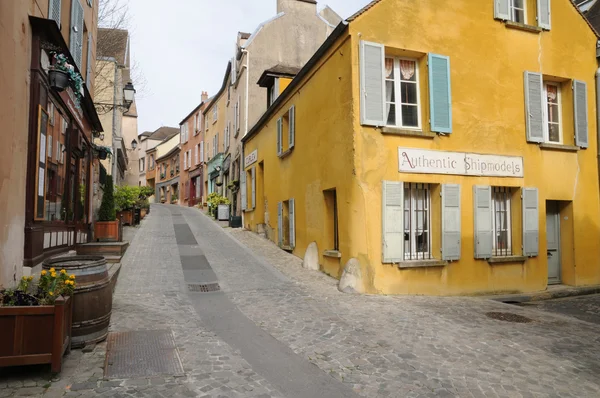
(196,187)
(61,124)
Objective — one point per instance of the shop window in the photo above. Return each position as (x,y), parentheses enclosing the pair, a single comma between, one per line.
(501,222)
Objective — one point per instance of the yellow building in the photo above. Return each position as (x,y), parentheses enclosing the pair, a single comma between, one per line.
(438,148)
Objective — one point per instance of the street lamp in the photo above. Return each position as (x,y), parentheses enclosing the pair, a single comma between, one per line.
(128,94)
(134,144)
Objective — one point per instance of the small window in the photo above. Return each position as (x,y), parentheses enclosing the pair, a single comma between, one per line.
(501,221)
(402,93)
(417,221)
(552,114)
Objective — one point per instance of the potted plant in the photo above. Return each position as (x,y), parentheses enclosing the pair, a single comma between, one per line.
(126,198)
(106,229)
(174,198)
(59,79)
(44,313)
(102,152)
(214,200)
(62,74)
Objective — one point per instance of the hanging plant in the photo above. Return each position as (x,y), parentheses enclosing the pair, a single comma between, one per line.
(61,65)
(102,152)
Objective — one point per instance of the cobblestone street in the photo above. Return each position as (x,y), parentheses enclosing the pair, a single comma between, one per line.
(278,330)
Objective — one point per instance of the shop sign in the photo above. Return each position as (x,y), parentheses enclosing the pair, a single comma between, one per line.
(250,159)
(459,163)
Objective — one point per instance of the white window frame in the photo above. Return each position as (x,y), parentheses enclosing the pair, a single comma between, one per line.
(496,206)
(142,164)
(513,9)
(410,195)
(547,116)
(397,90)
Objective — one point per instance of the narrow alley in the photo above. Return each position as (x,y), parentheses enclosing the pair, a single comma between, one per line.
(275,329)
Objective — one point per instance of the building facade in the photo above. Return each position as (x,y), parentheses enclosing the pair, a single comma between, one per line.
(434,163)
(289,38)
(192,160)
(46,156)
(148,141)
(166,172)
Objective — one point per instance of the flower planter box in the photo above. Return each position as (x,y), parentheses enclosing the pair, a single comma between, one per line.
(106,231)
(126,217)
(36,335)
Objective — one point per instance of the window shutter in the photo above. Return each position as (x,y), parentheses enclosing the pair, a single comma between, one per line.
(502,9)
(243,189)
(292,205)
(54,11)
(279,137)
(393,221)
(76,34)
(543,12)
(196,154)
(534,108)
(372,93)
(451,222)
(280,223)
(292,127)
(253,188)
(201,151)
(440,93)
(581,113)
(89,70)
(530,222)
(482,198)
(185,160)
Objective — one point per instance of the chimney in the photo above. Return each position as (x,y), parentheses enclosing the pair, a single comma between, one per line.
(204,96)
(291,6)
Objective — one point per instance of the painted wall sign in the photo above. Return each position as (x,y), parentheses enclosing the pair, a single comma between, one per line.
(252,158)
(458,163)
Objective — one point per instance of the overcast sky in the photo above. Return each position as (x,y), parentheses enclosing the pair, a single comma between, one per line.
(182,48)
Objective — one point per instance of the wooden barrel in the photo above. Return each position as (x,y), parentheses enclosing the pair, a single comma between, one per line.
(92,298)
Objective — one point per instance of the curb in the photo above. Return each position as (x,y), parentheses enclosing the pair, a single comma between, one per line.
(547,294)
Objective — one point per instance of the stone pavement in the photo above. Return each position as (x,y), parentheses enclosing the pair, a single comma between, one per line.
(586,308)
(377,346)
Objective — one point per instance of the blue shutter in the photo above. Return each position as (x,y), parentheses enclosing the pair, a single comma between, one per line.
(440,93)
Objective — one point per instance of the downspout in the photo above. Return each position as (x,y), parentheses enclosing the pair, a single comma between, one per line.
(247,66)
(598,114)
(114,127)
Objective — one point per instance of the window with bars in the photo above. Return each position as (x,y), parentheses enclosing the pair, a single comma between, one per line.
(402,93)
(501,222)
(417,221)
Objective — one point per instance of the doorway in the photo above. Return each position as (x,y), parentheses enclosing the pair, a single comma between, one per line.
(553,242)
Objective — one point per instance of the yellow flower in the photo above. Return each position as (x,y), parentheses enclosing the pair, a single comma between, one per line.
(72,277)
(52,270)
(53,274)
(24,278)
(44,272)
(30,278)
(50,294)
(62,271)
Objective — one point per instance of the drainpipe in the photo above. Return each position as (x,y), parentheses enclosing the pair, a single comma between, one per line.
(598,116)
(247,66)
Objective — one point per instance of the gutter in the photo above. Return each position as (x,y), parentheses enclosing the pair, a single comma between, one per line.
(336,34)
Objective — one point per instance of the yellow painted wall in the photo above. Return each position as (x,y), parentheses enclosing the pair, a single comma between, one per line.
(284,82)
(334,150)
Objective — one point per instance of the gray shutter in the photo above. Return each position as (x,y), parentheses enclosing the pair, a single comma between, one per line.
(76,33)
(393,221)
(502,9)
(534,107)
(292,126)
(280,224)
(440,93)
(253,171)
(372,88)
(279,137)
(581,113)
(530,222)
(451,231)
(89,70)
(243,189)
(54,11)
(543,12)
(484,234)
(292,216)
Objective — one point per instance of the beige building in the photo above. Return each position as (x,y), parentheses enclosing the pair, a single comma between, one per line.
(45,127)
(287,39)
(148,141)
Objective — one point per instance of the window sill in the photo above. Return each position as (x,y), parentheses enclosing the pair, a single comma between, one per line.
(332,253)
(523,27)
(286,153)
(507,259)
(559,147)
(421,264)
(287,248)
(407,133)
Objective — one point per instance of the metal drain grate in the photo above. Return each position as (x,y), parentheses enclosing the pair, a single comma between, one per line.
(142,353)
(204,288)
(508,317)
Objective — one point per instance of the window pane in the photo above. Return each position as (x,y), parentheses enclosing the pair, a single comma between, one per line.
(553,132)
(390,95)
(409,93)
(409,116)
(553,113)
(408,70)
(423,243)
(391,112)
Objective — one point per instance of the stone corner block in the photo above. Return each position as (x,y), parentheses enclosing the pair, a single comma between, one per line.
(351,280)
(311,257)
